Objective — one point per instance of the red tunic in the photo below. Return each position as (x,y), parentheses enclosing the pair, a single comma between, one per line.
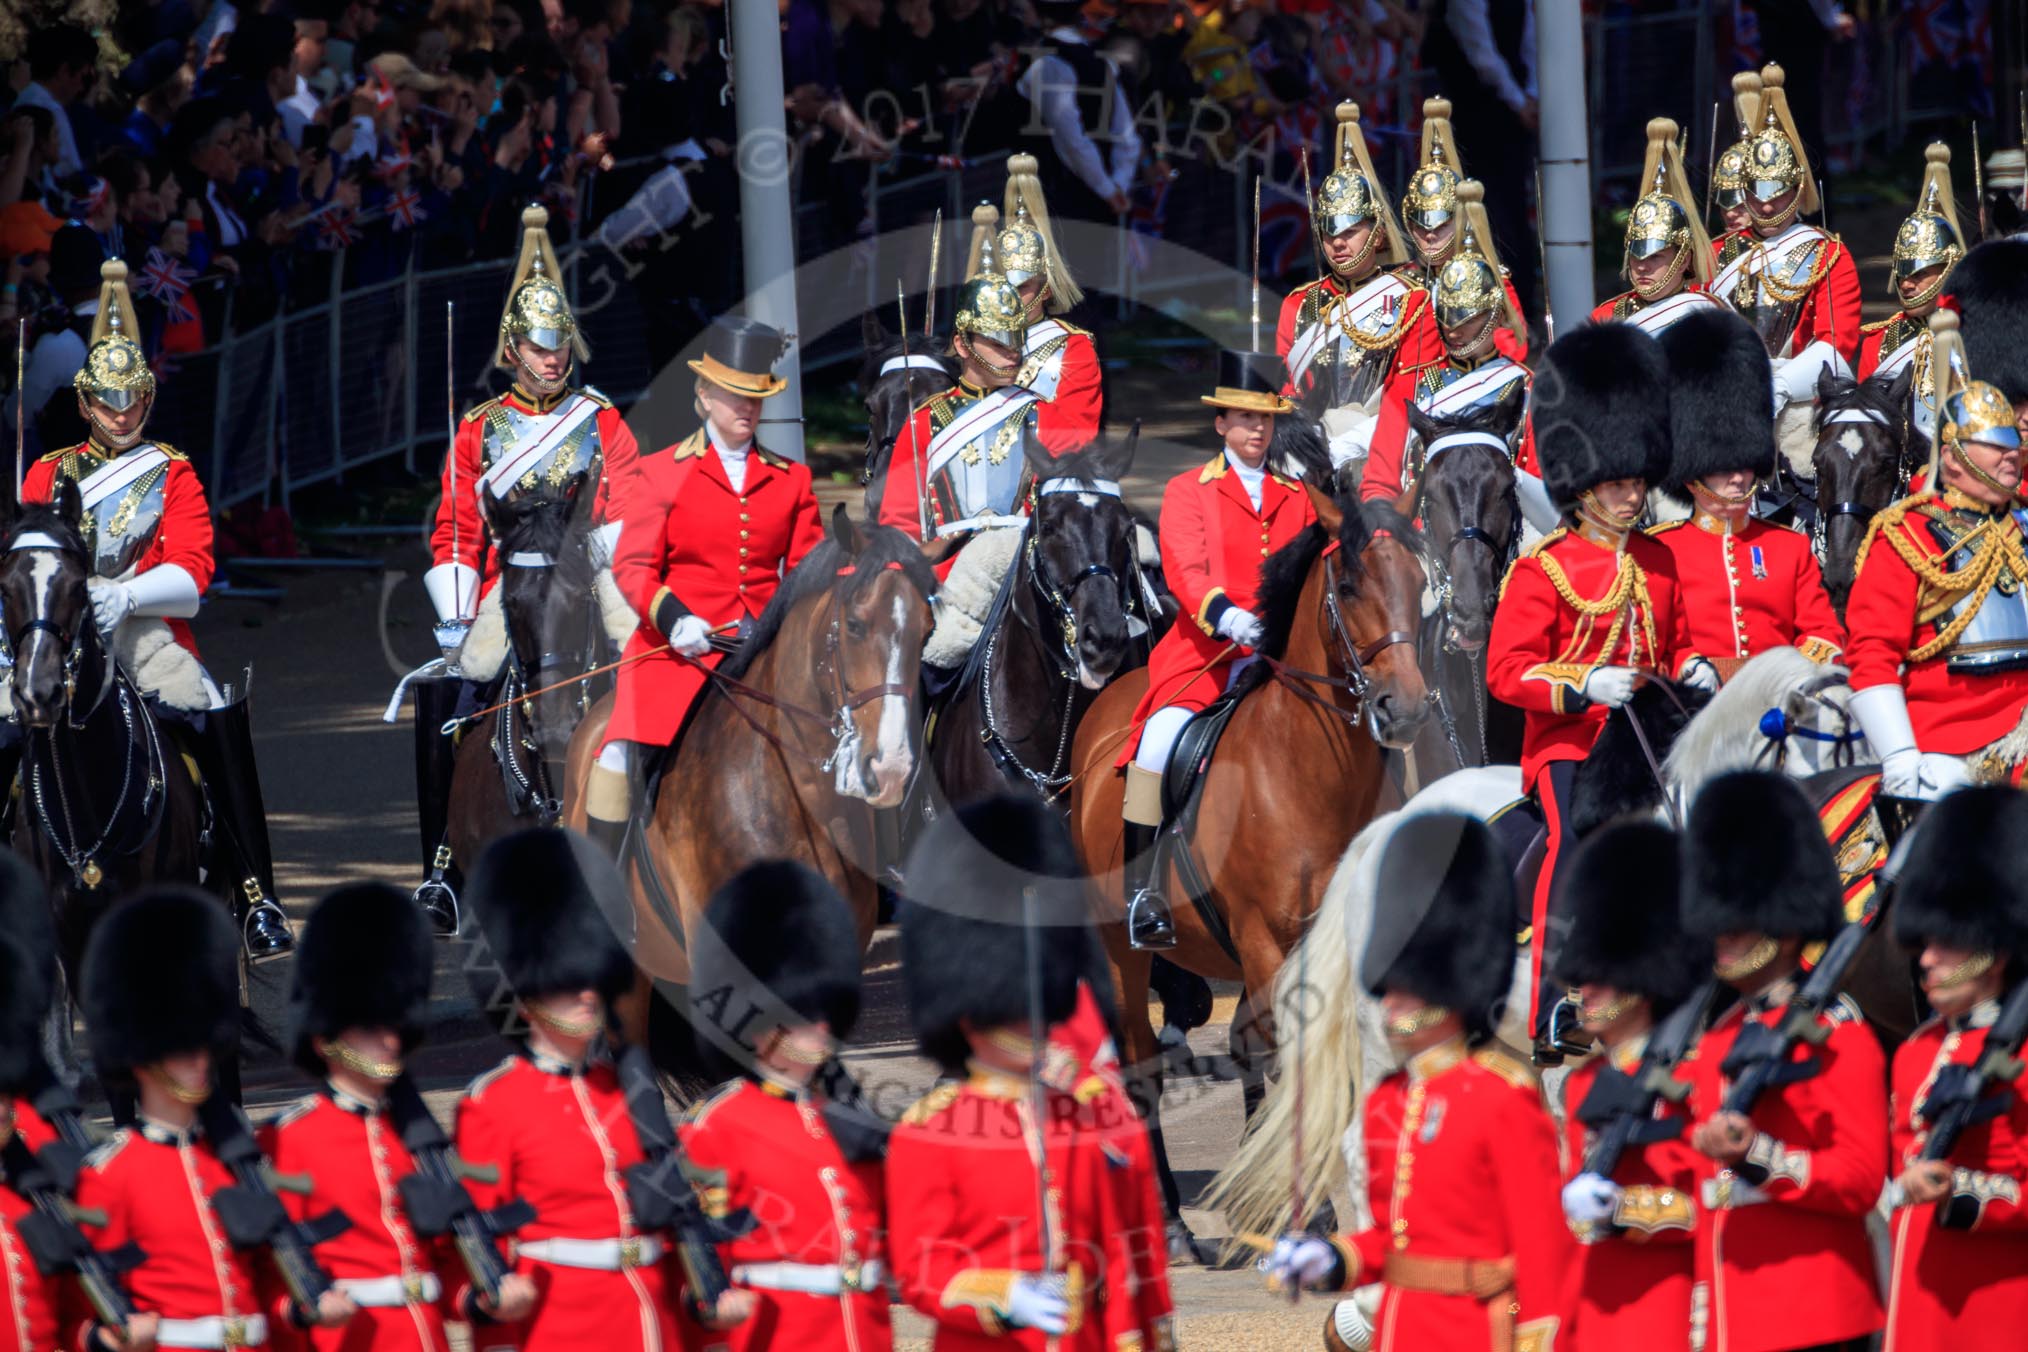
(1419,343)
(1542,647)
(1068,421)
(1213,543)
(962,1222)
(459,503)
(1959,1289)
(720,552)
(1883,339)
(902,504)
(774,1156)
(1831,309)
(1747,592)
(1957,713)
(184,535)
(155,1188)
(1386,473)
(1627,307)
(1461,1164)
(563,1142)
(29,1315)
(355,1162)
(1633,1283)
(1790,1265)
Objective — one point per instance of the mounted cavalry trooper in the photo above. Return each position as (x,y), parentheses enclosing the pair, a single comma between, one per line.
(1795,283)
(1059,361)
(1960,1266)
(1938,613)
(1729,173)
(1783,1256)
(958,465)
(1746,586)
(147,527)
(1927,247)
(1471,300)
(1437,220)
(542,431)
(1667,260)
(1467,1242)
(1344,336)
(713,525)
(1593,609)
(1218,524)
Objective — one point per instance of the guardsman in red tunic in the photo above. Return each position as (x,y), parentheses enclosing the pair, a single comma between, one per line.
(1344,336)
(29,1315)
(360,1000)
(1795,283)
(1631,966)
(543,430)
(161,996)
(1219,524)
(553,1119)
(1729,175)
(1783,1258)
(1434,210)
(1593,608)
(713,525)
(1747,586)
(774,994)
(1668,256)
(1003,1192)
(1938,614)
(1959,1275)
(147,526)
(1927,246)
(959,463)
(1467,1240)
(1473,373)
(1059,361)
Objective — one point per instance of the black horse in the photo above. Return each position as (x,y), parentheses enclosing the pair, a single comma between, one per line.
(895,376)
(1867,449)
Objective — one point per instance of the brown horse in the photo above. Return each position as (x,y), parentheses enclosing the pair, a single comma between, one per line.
(803,733)
(1298,772)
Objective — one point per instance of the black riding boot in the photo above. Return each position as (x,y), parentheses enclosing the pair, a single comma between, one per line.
(436,703)
(1149,924)
(225,756)
(610,837)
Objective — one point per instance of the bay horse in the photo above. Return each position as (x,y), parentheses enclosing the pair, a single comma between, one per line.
(1300,770)
(1867,450)
(894,378)
(790,748)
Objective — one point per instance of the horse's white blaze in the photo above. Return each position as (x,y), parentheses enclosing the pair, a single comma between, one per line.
(891,743)
(1087,499)
(1851,443)
(42,582)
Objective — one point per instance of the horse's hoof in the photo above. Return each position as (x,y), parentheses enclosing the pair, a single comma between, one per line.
(267,934)
(440,904)
(1183,1247)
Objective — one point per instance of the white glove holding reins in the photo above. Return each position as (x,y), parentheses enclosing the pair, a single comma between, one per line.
(1906,771)
(1038,1303)
(1610,686)
(1241,626)
(690,636)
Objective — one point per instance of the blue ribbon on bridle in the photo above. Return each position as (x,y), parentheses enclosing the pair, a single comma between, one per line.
(1776,726)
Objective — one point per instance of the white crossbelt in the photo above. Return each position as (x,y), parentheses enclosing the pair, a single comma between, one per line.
(810,1279)
(389,1293)
(604,1255)
(213,1331)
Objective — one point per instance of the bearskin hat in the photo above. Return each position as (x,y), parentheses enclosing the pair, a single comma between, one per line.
(1626,931)
(161,977)
(1755,859)
(1991,289)
(547,901)
(778,947)
(1445,927)
(1721,397)
(1959,878)
(974,880)
(364,961)
(1601,408)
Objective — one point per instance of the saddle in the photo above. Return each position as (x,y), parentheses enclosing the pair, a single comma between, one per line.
(1182,792)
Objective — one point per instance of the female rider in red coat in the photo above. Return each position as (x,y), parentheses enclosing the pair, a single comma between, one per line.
(1219,524)
(713,524)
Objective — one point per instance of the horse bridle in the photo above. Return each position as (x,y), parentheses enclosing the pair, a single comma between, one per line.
(844,732)
(1903,472)
(1777,727)
(1440,561)
(1348,653)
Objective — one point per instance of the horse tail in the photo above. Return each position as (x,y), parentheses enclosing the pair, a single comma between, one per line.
(1316,992)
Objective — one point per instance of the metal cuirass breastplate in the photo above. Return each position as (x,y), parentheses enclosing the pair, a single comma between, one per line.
(987,476)
(508,429)
(122,525)
(1997,638)
(1775,320)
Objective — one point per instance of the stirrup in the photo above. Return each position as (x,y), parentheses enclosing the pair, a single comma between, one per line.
(436,896)
(1150,927)
(264,930)
(1564,1037)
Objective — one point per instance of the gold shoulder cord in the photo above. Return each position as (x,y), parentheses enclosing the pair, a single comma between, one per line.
(1995,556)
(1630,585)
(1366,342)
(1827,254)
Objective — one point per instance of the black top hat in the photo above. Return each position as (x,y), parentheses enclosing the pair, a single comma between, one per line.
(1249,380)
(364,961)
(740,354)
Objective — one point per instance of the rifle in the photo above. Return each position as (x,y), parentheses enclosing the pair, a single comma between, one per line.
(1621,1108)
(1958,1097)
(1759,1059)
(252,1213)
(435,1196)
(663,1188)
(54,1240)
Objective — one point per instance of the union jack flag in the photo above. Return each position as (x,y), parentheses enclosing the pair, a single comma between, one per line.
(168,280)
(335,230)
(406,209)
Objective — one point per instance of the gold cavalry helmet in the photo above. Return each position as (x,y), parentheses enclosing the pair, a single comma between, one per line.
(1470,283)
(537,309)
(1728,172)
(989,306)
(1972,410)
(1930,237)
(1775,158)
(1027,243)
(1432,196)
(1351,193)
(115,370)
(1666,216)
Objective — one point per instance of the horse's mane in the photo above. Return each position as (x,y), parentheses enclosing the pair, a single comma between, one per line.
(1298,451)
(1283,572)
(881,548)
(1728,735)
(45,517)
(1870,395)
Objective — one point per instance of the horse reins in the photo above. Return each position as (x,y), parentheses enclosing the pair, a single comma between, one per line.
(1355,682)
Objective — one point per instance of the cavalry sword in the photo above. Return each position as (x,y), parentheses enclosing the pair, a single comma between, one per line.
(20,402)
(914,442)
(929,305)
(1256,264)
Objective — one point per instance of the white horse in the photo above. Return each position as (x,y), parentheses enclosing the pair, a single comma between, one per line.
(1780,710)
